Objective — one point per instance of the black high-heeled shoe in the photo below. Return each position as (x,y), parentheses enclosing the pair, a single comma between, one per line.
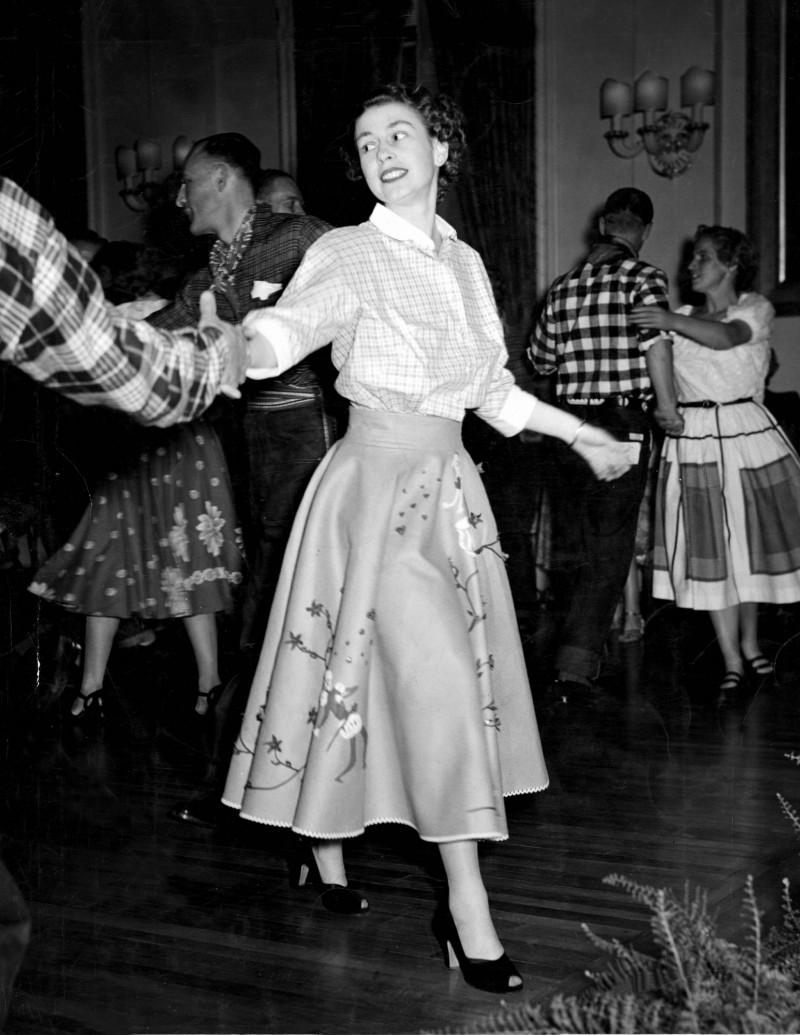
(92,710)
(336,898)
(210,697)
(487,975)
(758,667)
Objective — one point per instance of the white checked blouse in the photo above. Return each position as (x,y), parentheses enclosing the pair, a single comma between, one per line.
(413,331)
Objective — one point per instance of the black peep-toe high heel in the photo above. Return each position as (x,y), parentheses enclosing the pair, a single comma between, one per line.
(487,975)
(336,898)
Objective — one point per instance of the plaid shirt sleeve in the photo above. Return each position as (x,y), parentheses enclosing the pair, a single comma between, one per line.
(651,289)
(544,346)
(56,326)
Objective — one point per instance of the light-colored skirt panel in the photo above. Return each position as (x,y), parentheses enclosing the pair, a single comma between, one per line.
(391,685)
(727,518)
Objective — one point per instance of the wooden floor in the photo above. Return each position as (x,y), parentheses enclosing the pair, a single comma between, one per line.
(144,924)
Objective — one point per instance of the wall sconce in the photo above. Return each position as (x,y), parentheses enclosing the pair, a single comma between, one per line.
(137,167)
(669,138)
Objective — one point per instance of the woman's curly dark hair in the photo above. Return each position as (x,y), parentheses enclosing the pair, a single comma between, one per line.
(442,116)
(733,249)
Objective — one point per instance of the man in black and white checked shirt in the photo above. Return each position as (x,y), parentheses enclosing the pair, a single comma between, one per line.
(611,374)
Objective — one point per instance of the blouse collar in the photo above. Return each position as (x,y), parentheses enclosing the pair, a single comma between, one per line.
(400,229)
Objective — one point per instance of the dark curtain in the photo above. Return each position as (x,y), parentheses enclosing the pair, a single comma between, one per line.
(42,147)
(342,49)
(484,58)
(41,103)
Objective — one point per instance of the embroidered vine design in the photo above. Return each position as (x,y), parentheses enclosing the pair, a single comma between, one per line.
(466,520)
(475,608)
(332,705)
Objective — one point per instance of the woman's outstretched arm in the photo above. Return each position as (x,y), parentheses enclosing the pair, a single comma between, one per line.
(713,334)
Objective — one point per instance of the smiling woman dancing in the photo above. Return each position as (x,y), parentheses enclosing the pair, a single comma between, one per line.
(391,686)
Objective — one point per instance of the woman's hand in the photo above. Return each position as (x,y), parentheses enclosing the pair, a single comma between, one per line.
(212,327)
(652,316)
(668,419)
(606,455)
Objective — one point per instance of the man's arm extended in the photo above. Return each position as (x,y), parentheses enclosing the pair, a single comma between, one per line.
(56,325)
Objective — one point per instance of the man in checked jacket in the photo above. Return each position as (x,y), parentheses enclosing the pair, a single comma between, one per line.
(290,421)
(607,373)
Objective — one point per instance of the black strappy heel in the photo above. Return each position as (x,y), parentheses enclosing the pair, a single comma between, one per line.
(210,697)
(758,667)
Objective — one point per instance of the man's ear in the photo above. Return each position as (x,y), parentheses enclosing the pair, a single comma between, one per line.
(601,224)
(646,232)
(222,176)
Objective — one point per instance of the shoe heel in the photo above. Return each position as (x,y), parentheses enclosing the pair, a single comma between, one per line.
(298,874)
(442,932)
(450,958)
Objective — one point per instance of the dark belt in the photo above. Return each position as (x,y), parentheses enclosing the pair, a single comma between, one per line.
(706,404)
(607,400)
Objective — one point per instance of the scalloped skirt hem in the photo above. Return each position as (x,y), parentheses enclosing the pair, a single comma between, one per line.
(318,836)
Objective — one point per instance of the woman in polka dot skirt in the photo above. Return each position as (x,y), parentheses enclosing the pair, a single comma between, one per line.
(158,540)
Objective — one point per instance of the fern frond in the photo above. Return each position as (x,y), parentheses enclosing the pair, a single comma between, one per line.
(642,893)
(790,812)
(751,913)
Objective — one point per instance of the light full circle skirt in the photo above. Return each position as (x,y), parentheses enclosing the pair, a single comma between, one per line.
(391,686)
(727,515)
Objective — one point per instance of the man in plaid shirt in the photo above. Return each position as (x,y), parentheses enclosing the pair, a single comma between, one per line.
(607,373)
(56,325)
(290,421)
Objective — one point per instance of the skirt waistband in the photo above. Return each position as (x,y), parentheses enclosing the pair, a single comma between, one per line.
(403,430)
(707,404)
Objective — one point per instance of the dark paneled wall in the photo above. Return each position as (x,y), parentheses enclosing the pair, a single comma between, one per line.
(42,145)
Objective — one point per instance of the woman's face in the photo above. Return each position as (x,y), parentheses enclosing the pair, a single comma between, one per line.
(707,271)
(399,158)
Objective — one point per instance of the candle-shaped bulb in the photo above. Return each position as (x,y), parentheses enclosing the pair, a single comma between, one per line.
(148,154)
(651,92)
(180,151)
(615,99)
(125,159)
(697,87)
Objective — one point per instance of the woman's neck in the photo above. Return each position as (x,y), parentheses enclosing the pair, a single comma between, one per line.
(422,215)
(718,301)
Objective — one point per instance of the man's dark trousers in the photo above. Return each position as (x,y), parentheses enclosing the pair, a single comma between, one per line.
(594,533)
(284,448)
